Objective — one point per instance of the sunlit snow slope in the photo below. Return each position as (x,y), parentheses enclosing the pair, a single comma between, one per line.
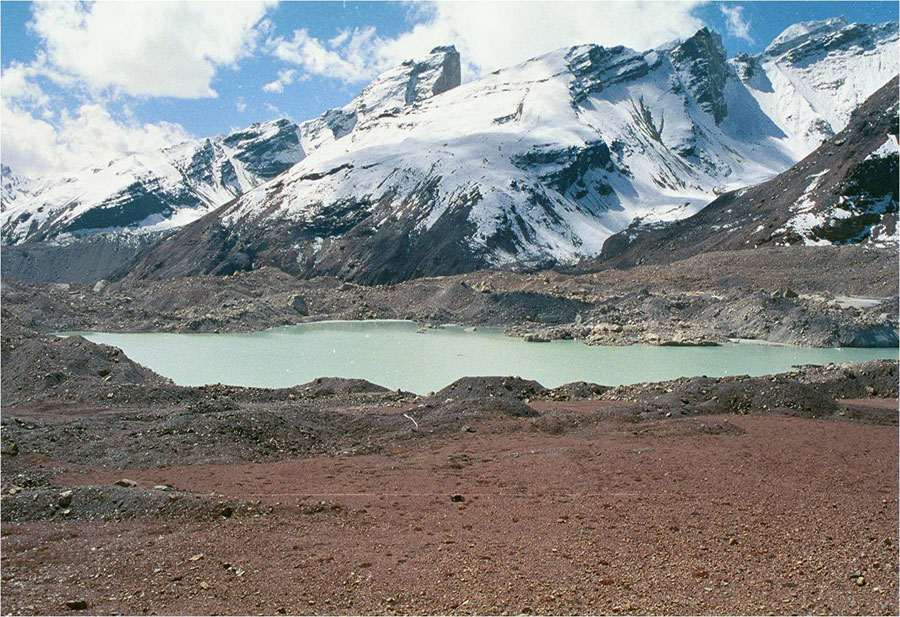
(540,163)
(533,165)
(148,191)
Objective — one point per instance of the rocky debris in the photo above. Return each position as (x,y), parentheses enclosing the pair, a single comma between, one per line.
(115,503)
(79,260)
(452,414)
(703,300)
(532,337)
(709,319)
(299,305)
(169,436)
(577,390)
(331,386)
(35,364)
(809,392)
(468,388)
(125,482)
(77,605)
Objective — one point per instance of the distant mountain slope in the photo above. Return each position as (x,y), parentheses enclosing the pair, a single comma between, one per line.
(149,191)
(846,191)
(814,74)
(532,166)
(535,165)
(12,186)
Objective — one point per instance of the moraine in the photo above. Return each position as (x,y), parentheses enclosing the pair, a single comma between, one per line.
(399,354)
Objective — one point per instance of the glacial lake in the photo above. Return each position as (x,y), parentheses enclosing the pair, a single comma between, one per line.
(395,355)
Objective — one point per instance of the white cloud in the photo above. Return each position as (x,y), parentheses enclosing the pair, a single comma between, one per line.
(18,83)
(148,48)
(96,52)
(737,26)
(274,86)
(285,78)
(91,136)
(240,105)
(351,56)
(490,35)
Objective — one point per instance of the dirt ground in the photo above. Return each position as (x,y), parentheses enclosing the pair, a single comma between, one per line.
(123,493)
(702,515)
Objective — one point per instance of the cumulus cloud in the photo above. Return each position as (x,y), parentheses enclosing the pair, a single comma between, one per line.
(104,52)
(285,78)
(35,147)
(147,48)
(351,56)
(737,26)
(489,35)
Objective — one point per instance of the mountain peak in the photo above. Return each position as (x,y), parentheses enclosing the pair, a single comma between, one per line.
(704,44)
(444,49)
(701,60)
(813,38)
(411,82)
(392,90)
(803,31)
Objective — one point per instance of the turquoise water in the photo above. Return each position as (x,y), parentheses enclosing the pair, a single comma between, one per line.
(394,355)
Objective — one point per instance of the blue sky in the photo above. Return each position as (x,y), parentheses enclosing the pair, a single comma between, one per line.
(82,82)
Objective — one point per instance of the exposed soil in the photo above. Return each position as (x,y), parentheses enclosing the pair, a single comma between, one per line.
(711,515)
(773,494)
(494,495)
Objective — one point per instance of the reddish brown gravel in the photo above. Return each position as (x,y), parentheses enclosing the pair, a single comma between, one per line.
(701,515)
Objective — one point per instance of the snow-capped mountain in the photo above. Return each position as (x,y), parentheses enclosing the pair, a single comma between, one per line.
(12,185)
(815,74)
(844,192)
(540,163)
(149,191)
(168,188)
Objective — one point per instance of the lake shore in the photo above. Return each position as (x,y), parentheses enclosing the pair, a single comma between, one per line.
(773,494)
(790,295)
(715,495)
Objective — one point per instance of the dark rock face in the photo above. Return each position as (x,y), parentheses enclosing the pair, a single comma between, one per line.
(855,194)
(132,206)
(355,248)
(267,155)
(594,68)
(451,74)
(701,59)
(82,261)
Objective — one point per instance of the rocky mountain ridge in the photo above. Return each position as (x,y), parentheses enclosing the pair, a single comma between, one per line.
(145,193)
(845,192)
(530,167)
(536,165)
